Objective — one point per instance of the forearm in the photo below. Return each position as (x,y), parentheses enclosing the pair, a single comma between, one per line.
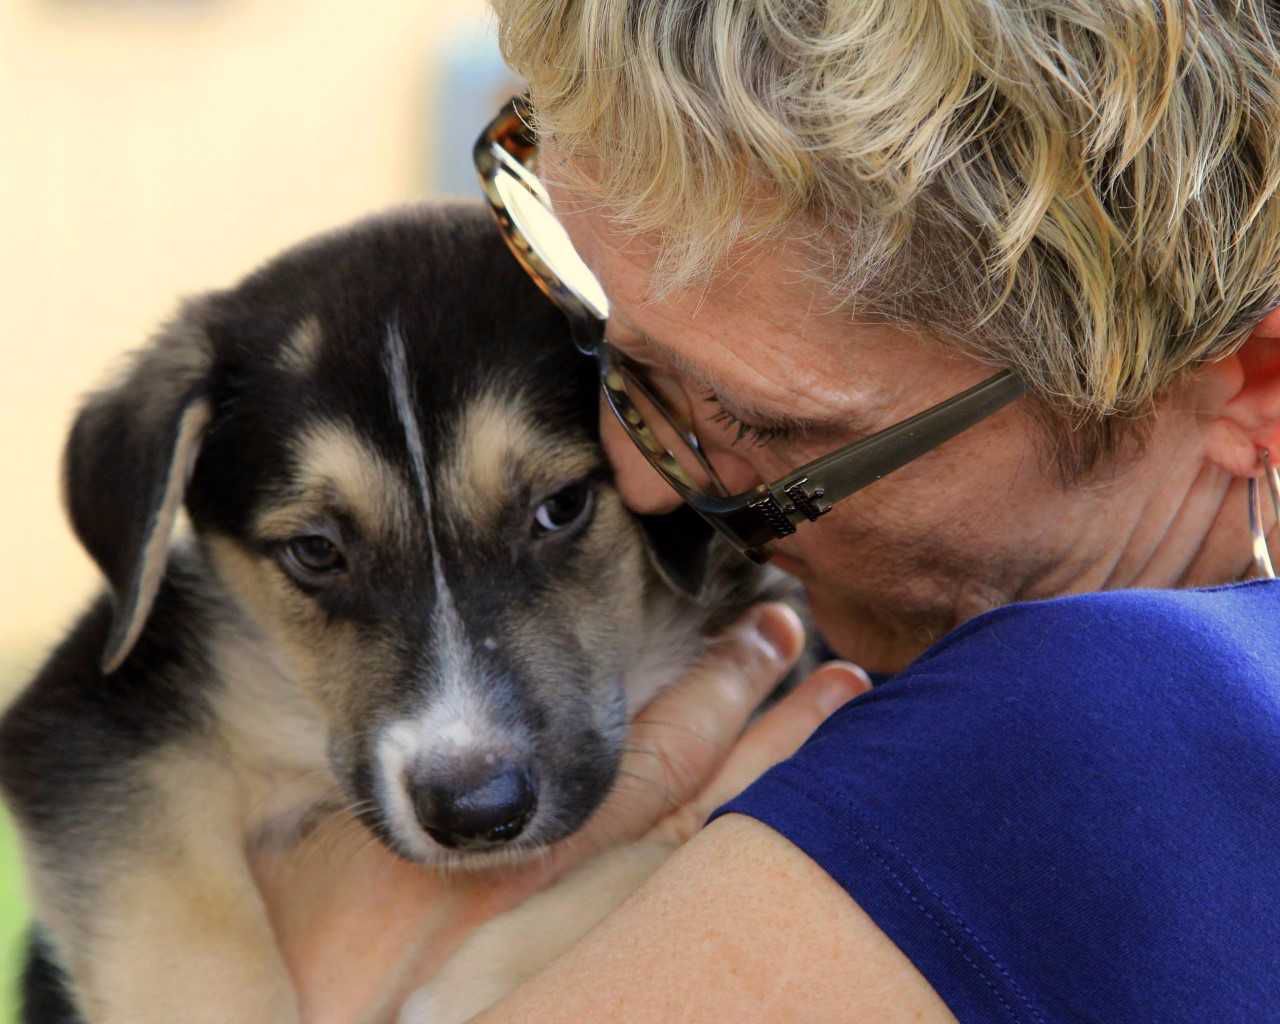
(738,925)
(517,946)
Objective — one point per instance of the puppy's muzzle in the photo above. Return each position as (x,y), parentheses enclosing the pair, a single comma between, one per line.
(475,807)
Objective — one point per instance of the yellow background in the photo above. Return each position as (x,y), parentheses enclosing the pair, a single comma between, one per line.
(155,148)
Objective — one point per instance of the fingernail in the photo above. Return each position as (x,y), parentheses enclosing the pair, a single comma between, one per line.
(773,631)
(846,682)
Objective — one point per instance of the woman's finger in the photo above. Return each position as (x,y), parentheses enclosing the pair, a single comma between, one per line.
(678,742)
(775,737)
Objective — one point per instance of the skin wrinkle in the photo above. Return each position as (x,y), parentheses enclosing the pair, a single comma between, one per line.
(776,385)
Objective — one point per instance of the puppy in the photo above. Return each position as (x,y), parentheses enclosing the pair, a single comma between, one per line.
(410,593)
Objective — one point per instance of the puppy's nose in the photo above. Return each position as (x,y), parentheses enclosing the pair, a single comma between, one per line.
(475,812)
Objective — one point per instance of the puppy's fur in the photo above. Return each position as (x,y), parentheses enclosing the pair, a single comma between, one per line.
(408,576)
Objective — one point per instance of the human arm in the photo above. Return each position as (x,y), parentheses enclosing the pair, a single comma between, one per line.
(738,925)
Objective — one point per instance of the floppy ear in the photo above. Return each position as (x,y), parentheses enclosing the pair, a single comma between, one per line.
(679,545)
(128,460)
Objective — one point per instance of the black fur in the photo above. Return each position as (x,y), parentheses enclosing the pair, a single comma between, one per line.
(44,995)
(67,741)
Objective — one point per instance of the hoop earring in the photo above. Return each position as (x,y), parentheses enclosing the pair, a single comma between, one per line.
(1261,556)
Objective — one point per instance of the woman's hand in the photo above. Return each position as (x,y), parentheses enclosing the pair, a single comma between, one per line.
(687,752)
(360,928)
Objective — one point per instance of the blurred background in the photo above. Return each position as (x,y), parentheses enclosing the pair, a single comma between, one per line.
(150,149)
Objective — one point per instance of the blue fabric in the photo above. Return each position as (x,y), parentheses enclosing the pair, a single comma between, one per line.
(1066,810)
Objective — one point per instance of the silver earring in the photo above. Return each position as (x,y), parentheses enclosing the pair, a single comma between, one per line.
(1261,556)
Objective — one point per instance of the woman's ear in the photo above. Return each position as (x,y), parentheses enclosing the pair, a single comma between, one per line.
(1270,326)
(1244,401)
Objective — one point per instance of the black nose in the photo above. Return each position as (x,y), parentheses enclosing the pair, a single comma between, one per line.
(477,812)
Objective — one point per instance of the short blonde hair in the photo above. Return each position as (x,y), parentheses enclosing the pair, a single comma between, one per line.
(1083,190)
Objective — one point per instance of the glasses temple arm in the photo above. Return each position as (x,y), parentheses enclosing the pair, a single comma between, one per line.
(841,473)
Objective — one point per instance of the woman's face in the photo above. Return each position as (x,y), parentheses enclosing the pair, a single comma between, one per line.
(976,523)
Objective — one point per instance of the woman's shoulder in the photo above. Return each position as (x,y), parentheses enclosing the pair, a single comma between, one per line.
(1147,631)
(1094,666)
(1085,787)
(1123,685)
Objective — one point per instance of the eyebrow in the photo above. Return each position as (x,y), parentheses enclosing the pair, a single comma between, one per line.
(838,425)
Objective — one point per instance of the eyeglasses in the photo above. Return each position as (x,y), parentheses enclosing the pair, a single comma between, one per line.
(506,159)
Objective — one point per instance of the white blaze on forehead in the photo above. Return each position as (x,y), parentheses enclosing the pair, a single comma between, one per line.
(452,652)
(404,402)
(451,647)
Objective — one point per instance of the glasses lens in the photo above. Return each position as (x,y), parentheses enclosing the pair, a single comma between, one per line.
(547,239)
(650,417)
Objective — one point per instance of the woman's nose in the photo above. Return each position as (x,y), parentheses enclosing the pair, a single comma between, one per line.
(642,487)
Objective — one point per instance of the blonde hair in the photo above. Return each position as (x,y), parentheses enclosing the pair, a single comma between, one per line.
(1083,190)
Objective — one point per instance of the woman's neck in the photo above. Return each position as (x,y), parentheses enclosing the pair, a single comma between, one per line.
(1185,528)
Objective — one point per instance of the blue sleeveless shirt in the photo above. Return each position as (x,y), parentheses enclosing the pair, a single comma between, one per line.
(1066,810)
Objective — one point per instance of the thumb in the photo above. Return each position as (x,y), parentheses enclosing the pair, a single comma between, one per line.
(688,730)
(775,736)
(681,738)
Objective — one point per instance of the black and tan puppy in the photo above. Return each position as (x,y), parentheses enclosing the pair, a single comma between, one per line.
(410,592)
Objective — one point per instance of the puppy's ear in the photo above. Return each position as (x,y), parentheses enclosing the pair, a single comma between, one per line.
(130,455)
(680,549)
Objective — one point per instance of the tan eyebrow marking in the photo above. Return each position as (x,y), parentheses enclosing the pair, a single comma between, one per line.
(335,465)
(500,452)
(301,350)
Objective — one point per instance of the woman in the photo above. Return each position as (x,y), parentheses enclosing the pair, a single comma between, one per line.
(808,222)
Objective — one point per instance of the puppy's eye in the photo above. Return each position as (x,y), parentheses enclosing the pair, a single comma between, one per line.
(312,558)
(568,507)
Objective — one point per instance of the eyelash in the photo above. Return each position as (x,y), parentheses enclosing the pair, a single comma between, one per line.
(760,437)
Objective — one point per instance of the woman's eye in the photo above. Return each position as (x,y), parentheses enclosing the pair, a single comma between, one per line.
(313,558)
(570,506)
(761,437)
